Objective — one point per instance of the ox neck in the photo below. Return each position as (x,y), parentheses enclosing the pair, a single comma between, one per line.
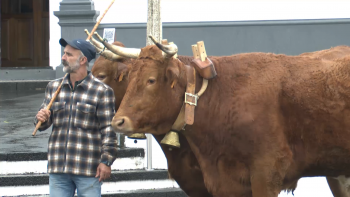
(186,115)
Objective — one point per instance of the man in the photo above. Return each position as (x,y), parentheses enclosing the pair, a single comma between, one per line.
(82,145)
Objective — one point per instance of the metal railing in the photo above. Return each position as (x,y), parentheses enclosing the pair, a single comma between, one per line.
(149,151)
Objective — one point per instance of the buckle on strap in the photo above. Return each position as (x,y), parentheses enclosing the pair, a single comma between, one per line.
(99,53)
(196,97)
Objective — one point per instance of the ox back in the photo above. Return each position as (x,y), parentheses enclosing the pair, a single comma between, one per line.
(275,118)
(264,122)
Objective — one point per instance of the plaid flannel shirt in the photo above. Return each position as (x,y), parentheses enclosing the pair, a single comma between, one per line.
(82,136)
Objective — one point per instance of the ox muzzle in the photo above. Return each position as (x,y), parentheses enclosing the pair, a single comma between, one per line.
(122,124)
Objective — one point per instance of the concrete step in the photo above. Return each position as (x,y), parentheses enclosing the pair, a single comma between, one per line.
(167,192)
(23,85)
(120,183)
(116,176)
(35,156)
(36,163)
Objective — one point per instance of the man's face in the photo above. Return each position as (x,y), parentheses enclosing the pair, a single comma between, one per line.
(71,59)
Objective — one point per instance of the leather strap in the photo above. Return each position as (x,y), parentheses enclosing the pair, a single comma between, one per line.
(181,120)
(179,123)
(190,97)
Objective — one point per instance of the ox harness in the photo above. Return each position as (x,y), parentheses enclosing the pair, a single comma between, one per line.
(206,70)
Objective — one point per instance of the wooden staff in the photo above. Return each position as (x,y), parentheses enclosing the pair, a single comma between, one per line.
(50,104)
(59,87)
(98,22)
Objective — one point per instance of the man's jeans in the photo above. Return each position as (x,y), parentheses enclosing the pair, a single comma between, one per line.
(64,185)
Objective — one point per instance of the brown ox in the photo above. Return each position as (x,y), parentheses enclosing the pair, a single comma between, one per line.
(265,121)
(182,164)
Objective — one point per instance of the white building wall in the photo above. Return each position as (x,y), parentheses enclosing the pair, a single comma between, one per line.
(55,35)
(135,11)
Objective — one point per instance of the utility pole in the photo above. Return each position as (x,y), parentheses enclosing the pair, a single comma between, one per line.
(154,28)
(154,21)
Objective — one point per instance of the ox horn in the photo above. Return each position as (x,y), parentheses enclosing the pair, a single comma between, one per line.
(108,54)
(100,49)
(94,41)
(168,50)
(126,52)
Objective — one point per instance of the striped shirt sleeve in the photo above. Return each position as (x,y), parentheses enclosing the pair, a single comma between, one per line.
(105,113)
(47,99)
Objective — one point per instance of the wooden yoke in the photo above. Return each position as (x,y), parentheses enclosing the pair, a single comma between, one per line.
(206,69)
(186,115)
(203,65)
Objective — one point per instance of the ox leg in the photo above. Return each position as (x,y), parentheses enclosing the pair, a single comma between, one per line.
(263,184)
(339,186)
(227,177)
(268,173)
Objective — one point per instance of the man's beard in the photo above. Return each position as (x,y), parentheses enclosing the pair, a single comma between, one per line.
(70,68)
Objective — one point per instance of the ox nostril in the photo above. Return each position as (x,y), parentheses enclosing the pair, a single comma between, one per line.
(120,122)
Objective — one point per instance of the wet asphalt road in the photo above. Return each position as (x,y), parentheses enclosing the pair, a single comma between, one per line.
(17,112)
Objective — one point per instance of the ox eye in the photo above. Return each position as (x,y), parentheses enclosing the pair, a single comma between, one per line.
(151,81)
(101,77)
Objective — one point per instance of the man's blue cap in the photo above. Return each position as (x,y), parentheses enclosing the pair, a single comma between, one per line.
(84,46)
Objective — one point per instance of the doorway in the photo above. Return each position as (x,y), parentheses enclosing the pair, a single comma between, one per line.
(25,33)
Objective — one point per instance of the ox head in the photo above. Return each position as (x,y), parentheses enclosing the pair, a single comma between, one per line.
(155,93)
(112,70)
(113,73)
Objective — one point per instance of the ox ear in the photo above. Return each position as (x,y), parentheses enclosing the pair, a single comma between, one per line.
(122,70)
(172,74)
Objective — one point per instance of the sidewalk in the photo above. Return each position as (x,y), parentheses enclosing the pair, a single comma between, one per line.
(27,86)
(17,111)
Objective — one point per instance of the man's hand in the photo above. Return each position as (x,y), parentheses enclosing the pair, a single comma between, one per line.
(103,171)
(43,115)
